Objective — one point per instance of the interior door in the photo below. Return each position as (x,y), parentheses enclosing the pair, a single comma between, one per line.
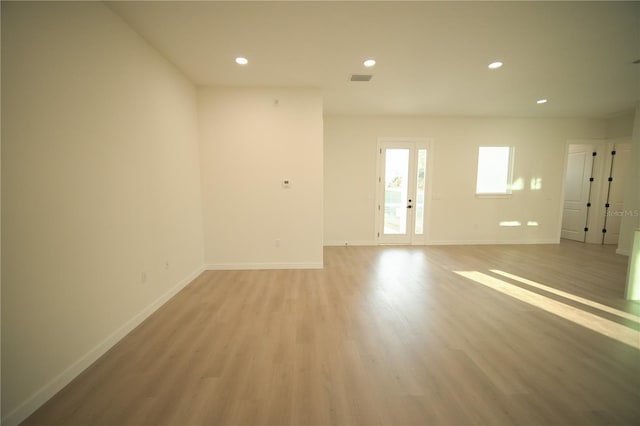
(577,191)
(617,168)
(402,187)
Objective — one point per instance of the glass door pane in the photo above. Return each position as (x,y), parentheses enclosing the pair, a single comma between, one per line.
(396,185)
(420,191)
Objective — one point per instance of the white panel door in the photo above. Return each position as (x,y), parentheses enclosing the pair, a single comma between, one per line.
(577,188)
(621,161)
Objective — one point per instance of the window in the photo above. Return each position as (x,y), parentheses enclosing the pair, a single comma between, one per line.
(494,170)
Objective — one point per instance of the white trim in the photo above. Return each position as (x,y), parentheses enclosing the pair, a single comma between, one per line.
(31,404)
(344,243)
(258,266)
(411,139)
(445,243)
(623,252)
(491,242)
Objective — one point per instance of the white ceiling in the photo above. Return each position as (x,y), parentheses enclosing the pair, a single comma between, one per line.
(432,56)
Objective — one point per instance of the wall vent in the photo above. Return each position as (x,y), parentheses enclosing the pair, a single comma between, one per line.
(361,77)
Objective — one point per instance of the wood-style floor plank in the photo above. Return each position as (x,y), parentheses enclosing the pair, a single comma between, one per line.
(380,336)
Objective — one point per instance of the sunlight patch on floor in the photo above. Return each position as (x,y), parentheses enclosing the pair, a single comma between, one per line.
(570,296)
(593,322)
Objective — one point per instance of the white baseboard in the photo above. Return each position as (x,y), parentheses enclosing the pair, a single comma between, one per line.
(445,242)
(258,266)
(490,242)
(343,243)
(45,393)
(623,252)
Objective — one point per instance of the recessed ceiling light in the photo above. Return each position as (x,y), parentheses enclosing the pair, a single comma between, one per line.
(541,101)
(495,65)
(241,61)
(369,62)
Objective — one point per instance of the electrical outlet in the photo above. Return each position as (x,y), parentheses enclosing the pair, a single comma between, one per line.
(277,243)
(166,264)
(143,277)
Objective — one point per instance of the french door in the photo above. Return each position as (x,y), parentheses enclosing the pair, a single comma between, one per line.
(403,183)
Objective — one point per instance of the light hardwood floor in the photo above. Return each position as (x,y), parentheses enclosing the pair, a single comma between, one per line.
(380,336)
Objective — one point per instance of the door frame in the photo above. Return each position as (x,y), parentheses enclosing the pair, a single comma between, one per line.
(418,143)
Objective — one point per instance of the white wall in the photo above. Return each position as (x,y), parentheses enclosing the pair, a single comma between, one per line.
(620,125)
(251,140)
(631,220)
(457,215)
(100,184)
